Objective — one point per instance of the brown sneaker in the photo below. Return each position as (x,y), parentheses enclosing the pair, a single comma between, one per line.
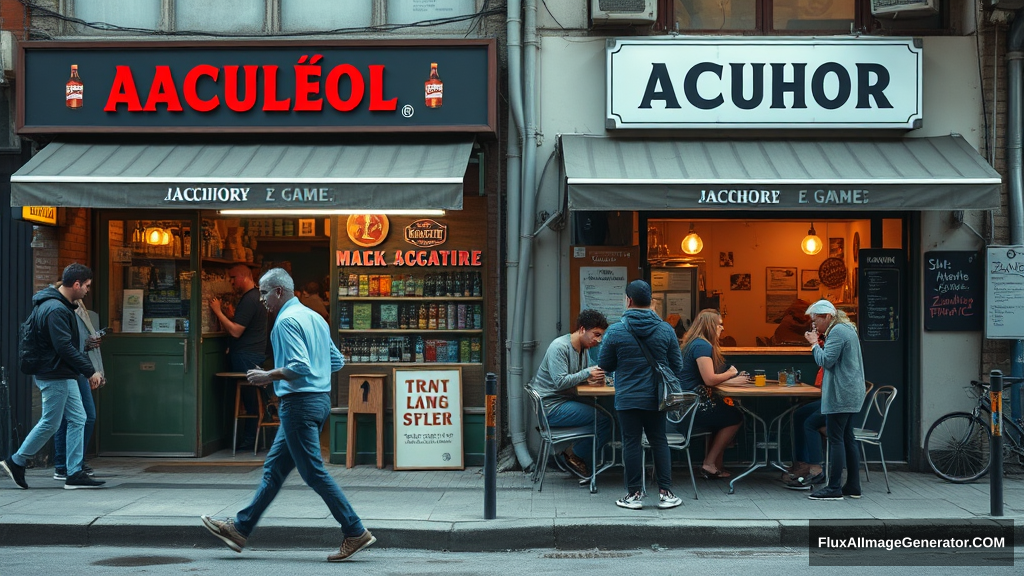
(351,545)
(225,530)
(576,464)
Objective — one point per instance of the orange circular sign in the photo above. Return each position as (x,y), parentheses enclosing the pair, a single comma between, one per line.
(367,230)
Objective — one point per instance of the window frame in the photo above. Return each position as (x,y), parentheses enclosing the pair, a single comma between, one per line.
(864,22)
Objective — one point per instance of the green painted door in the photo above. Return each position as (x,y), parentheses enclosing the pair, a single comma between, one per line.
(149,404)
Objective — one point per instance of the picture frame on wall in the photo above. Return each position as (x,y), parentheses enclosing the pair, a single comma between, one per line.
(307,226)
(739,282)
(837,248)
(809,280)
(725,259)
(780,279)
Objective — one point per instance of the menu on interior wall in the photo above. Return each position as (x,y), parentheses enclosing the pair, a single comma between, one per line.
(879,307)
(952,290)
(1004,292)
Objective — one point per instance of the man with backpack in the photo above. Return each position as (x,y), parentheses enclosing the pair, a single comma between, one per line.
(49,351)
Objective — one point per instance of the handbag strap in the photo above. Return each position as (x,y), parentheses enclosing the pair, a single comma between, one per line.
(643,347)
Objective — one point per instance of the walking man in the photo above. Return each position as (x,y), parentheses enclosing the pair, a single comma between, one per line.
(248,345)
(60,362)
(304,359)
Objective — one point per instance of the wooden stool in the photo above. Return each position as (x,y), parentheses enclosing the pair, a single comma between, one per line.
(240,380)
(264,421)
(365,396)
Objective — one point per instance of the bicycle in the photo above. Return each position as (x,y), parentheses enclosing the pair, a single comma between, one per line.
(957,444)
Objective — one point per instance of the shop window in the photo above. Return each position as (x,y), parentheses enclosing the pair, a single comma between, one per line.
(409,11)
(302,15)
(137,14)
(792,17)
(238,16)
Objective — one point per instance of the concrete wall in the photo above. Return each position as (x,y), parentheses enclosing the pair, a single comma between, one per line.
(571,84)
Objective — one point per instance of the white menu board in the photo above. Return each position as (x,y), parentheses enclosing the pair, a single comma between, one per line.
(603,288)
(428,419)
(1004,293)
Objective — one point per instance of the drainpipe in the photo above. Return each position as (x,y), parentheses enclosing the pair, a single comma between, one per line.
(513,193)
(1015,200)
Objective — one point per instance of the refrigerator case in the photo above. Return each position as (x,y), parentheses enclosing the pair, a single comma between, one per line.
(674,290)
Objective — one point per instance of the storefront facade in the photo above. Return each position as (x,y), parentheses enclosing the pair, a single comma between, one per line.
(190,158)
(753,144)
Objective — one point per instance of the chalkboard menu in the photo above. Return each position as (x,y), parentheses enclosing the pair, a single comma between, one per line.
(952,291)
(880,280)
(1004,292)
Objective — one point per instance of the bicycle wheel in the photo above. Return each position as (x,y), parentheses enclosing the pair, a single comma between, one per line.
(957,447)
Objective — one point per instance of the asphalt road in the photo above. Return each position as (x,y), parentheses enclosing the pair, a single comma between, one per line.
(103,561)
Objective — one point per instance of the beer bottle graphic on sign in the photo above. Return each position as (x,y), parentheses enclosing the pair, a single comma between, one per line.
(433,88)
(74,89)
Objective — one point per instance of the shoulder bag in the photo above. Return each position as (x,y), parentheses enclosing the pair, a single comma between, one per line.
(670,391)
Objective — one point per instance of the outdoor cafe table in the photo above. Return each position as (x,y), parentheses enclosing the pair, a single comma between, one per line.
(596,392)
(772,390)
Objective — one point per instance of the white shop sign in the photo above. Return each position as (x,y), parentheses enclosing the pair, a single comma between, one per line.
(428,418)
(714,82)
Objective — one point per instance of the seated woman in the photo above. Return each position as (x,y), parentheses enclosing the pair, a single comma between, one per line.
(702,360)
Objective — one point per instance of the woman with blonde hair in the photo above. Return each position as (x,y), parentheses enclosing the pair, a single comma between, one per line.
(704,365)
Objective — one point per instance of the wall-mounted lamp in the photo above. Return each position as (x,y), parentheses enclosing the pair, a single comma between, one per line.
(156,236)
(811,244)
(692,244)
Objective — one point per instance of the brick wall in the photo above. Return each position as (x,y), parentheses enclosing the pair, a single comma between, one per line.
(13,14)
(992,37)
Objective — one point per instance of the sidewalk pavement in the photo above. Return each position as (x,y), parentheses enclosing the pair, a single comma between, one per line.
(157,502)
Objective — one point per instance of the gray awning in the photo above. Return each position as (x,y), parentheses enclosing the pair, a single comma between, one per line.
(245,176)
(940,173)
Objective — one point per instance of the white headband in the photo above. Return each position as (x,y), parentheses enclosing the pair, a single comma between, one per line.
(821,307)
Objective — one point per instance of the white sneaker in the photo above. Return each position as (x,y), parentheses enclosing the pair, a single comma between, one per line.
(669,500)
(634,501)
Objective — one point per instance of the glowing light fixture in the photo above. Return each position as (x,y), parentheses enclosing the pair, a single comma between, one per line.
(692,244)
(154,236)
(811,244)
(329,212)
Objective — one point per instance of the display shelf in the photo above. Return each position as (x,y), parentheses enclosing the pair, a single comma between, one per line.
(408,331)
(410,298)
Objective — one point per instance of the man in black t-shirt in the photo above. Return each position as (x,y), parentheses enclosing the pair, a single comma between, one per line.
(248,342)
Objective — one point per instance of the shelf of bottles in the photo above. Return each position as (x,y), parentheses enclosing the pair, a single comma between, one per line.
(434,317)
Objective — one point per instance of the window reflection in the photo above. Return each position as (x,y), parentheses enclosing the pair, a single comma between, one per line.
(835,15)
(716,14)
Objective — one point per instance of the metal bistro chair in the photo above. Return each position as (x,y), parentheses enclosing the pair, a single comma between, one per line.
(881,401)
(676,441)
(549,437)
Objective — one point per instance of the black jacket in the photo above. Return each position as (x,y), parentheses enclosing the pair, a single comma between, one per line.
(63,359)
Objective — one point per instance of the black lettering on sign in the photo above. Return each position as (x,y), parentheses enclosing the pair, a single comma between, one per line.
(953,284)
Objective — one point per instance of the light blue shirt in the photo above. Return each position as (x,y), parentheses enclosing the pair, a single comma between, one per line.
(302,344)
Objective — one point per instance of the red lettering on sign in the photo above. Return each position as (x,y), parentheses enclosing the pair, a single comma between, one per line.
(377,102)
(191,93)
(163,91)
(334,91)
(304,88)
(123,91)
(270,101)
(231,88)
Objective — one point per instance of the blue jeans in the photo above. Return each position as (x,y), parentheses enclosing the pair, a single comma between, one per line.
(843,451)
(807,419)
(60,438)
(580,414)
(61,399)
(633,424)
(243,362)
(297,445)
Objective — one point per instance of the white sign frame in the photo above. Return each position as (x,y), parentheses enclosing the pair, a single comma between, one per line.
(1004,270)
(419,446)
(630,68)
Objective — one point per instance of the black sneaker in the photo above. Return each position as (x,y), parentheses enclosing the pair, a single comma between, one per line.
(17,473)
(88,470)
(851,494)
(81,480)
(60,474)
(827,494)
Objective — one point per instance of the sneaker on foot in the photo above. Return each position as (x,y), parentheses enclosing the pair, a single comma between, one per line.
(224,528)
(826,494)
(88,471)
(352,544)
(81,480)
(634,501)
(17,473)
(799,484)
(851,494)
(667,499)
(59,474)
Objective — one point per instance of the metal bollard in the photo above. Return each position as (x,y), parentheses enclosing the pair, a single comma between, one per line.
(490,448)
(995,478)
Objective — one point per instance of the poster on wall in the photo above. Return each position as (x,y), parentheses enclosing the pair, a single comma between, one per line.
(428,419)
(1004,292)
(603,288)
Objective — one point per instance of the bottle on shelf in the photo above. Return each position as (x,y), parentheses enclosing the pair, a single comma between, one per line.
(478,317)
(442,316)
(449,283)
(453,315)
(410,285)
(419,354)
(428,286)
(422,320)
(406,349)
(477,290)
(432,316)
(460,321)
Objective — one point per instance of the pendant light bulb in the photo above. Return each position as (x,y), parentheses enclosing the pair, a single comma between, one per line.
(154,236)
(692,244)
(811,244)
